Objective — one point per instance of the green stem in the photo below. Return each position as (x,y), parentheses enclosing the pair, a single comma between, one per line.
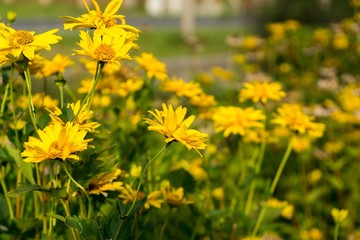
(273,185)
(3,185)
(282,165)
(336,231)
(165,224)
(90,213)
(68,214)
(29,89)
(3,103)
(88,99)
(257,171)
(143,173)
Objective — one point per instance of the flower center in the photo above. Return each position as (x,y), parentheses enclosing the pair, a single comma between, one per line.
(54,151)
(20,38)
(105,52)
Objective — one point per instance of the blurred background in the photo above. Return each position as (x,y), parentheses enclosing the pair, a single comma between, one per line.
(186,34)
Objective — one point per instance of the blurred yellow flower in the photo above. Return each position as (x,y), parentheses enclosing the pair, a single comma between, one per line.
(11,16)
(173,125)
(322,36)
(105,48)
(314,176)
(203,100)
(58,64)
(218,193)
(21,43)
(152,66)
(153,200)
(97,19)
(339,215)
(287,212)
(172,196)
(104,182)
(100,100)
(312,234)
(261,91)
(128,194)
(40,100)
(292,117)
(301,143)
(340,41)
(182,88)
(194,168)
(222,73)
(334,147)
(18,124)
(56,142)
(235,120)
(135,170)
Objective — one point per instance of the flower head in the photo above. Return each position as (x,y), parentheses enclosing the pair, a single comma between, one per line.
(292,117)
(105,48)
(261,91)
(152,66)
(173,125)
(235,120)
(56,65)
(56,142)
(22,43)
(104,182)
(339,215)
(97,19)
(172,196)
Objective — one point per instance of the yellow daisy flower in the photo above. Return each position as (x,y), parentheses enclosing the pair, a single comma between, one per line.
(173,125)
(81,116)
(105,48)
(22,43)
(104,182)
(172,196)
(235,120)
(97,19)
(339,215)
(261,91)
(56,142)
(57,64)
(291,117)
(152,66)
(182,88)
(153,200)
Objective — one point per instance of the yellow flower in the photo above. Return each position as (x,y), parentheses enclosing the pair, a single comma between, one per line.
(301,143)
(18,124)
(322,36)
(153,200)
(56,142)
(172,125)
(172,196)
(261,91)
(340,41)
(22,43)
(203,100)
(152,66)
(128,194)
(135,171)
(312,234)
(339,215)
(11,16)
(97,19)
(81,116)
(56,65)
(182,88)
(235,120)
(222,73)
(288,211)
(292,117)
(105,48)
(40,100)
(105,182)
(194,168)
(218,193)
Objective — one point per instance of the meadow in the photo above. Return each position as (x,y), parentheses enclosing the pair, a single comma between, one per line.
(99,141)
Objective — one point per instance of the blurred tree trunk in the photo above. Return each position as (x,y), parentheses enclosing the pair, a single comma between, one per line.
(188,19)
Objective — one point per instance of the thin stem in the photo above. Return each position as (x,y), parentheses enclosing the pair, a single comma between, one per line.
(143,173)
(29,89)
(3,103)
(3,185)
(336,231)
(274,184)
(90,213)
(88,99)
(282,165)
(68,214)
(257,171)
(165,224)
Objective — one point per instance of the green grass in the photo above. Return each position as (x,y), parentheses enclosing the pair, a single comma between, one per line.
(166,42)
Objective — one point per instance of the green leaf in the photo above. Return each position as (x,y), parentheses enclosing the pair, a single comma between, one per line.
(23,188)
(26,168)
(87,228)
(59,217)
